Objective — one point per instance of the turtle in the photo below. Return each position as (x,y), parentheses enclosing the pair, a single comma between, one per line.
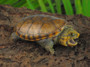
(46,30)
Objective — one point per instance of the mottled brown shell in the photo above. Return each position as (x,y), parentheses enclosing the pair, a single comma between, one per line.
(38,27)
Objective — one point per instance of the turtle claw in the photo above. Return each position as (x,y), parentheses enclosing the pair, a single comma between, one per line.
(52,51)
(47,45)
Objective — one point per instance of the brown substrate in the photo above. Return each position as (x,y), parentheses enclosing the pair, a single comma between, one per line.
(29,54)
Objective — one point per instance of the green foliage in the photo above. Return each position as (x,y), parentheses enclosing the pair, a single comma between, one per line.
(58,6)
(51,6)
(30,4)
(68,7)
(7,1)
(42,5)
(86,7)
(18,3)
(78,7)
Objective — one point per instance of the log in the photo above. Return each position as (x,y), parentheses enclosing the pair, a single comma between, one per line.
(29,54)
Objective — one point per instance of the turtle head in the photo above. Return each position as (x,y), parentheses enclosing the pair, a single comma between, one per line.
(68,36)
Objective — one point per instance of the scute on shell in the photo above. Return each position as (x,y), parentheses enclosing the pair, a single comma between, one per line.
(37,27)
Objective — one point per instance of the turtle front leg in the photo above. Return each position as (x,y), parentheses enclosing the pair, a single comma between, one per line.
(47,44)
(14,37)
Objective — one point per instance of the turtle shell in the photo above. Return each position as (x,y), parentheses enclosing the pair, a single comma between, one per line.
(38,27)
